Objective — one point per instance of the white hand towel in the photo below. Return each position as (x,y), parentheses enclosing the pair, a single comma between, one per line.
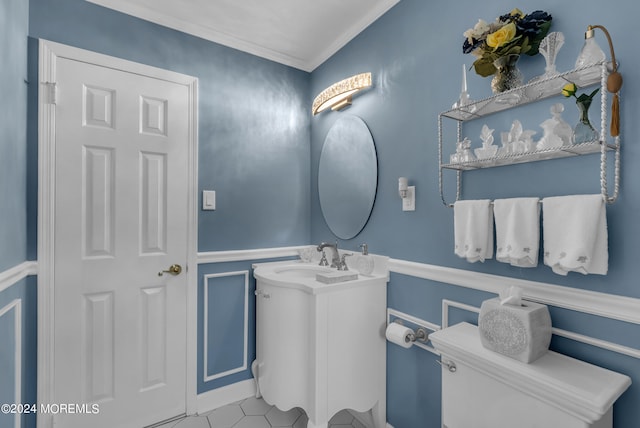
(473,230)
(517,231)
(575,234)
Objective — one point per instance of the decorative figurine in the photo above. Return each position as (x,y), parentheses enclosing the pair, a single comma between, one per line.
(527,141)
(464,95)
(505,139)
(488,149)
(463,152)
(549,47)
(467,155)
(556,132)
(516,140)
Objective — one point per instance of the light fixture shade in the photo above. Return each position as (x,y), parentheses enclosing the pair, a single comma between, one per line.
(339,94)
(403,185)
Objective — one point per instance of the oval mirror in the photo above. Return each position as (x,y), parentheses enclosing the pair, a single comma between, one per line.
(347,176)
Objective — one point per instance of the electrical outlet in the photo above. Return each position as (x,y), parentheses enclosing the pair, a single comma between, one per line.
(409,203)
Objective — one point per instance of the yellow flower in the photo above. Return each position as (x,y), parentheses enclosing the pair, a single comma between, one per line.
(502,36)
(569,89)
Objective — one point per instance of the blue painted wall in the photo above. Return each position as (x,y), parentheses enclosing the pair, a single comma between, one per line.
(229,356)
(254,151)
(14,25)
(253,120)
(25,293)
(254,130)
(414,52)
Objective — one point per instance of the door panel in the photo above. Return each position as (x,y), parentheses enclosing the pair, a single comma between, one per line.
(121,199)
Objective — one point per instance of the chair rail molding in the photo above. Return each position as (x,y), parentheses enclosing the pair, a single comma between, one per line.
(621,308)
(611,306)
(12,275)
(246,255)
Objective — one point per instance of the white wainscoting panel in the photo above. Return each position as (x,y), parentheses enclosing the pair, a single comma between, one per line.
(15,308)
(244,365)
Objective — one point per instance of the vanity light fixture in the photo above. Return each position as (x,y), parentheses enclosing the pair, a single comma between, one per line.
(338,95)
(407,194)
(614,80)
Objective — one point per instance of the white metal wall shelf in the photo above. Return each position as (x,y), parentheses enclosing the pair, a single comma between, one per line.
(532,92)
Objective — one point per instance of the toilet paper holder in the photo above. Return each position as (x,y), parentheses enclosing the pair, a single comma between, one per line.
(420,334)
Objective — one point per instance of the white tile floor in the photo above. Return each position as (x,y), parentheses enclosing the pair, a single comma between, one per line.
(255,413)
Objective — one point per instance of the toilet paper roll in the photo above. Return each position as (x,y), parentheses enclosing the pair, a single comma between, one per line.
(399,334)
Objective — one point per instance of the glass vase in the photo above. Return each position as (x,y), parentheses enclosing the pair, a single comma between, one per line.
(583,131)
(507,75)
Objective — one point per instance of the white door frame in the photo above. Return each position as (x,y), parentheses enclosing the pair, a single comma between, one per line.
(49,52)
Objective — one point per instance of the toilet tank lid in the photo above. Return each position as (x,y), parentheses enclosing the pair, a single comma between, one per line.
(582,389)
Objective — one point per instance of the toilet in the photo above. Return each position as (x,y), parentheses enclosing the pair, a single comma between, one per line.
(484,389)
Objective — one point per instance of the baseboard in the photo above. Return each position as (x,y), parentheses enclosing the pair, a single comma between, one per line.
(220,397)
(365,418)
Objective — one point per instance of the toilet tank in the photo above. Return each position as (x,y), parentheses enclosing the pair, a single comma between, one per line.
(484,389)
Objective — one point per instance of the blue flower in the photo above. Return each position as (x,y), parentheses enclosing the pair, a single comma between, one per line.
(469,47)
(533,26)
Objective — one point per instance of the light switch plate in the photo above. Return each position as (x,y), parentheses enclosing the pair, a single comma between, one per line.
(208,200)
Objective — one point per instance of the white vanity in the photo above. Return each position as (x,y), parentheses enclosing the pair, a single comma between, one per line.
(321,347)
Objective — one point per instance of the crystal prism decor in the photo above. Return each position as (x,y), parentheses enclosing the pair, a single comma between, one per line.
(464,98)
(549,47)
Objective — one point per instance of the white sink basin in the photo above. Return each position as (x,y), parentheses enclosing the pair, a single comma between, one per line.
(300,275)
(301,271)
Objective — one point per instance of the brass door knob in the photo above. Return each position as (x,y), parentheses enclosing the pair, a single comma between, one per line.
(173,270)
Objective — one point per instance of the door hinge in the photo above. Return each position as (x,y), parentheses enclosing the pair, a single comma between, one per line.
(50,91)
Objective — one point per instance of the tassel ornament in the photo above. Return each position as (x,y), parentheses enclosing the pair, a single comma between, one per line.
(615,115)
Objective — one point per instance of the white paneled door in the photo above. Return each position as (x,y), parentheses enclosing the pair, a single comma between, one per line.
(121,195)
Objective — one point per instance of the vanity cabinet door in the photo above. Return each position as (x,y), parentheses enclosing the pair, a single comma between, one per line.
(283,328)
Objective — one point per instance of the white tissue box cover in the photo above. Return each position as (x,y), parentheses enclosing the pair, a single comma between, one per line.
(520,332)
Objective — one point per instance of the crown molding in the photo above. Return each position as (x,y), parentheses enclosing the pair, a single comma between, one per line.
(308,63)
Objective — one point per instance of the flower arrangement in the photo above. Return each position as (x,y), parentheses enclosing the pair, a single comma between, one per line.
(570,89)
(513,33)
(583,131)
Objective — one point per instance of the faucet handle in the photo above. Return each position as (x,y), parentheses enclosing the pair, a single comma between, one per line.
(323,260)
(343,262)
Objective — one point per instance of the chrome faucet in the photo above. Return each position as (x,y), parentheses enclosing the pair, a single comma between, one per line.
(335,258)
